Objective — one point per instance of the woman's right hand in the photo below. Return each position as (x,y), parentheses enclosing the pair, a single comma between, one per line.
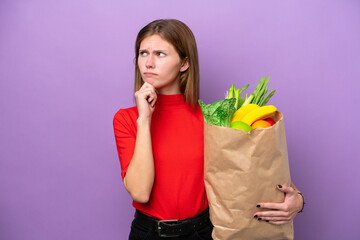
(145,99)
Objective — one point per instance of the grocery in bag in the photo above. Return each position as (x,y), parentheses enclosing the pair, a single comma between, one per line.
(244,162)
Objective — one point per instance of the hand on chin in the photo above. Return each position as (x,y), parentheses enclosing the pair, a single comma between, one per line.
(150,81)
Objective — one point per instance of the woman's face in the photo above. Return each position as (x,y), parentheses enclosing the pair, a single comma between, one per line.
(160,64)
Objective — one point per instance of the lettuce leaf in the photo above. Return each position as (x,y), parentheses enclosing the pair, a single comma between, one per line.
(218,113)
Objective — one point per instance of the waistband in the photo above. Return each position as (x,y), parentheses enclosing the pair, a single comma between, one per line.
(174,228)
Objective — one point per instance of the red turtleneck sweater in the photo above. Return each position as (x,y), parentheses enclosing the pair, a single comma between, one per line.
(177,135)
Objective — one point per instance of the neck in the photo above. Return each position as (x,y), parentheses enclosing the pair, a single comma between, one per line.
(170,92)
(173,88)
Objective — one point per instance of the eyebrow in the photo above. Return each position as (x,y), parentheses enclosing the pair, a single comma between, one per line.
(157,50)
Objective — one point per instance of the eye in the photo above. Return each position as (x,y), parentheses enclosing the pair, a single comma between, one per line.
(142,53)
(160,54)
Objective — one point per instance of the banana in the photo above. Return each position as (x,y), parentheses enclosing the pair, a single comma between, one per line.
(241,112)
(259,113)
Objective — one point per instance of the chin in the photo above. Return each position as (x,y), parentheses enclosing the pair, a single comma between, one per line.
(150,81)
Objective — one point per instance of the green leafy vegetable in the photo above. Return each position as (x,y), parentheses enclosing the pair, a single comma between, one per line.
(235,93)
(259,93)
(248,99)
(231,93)
(267,98)
(218,113)
(241,102)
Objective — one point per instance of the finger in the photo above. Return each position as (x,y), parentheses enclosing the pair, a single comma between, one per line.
(152,102)
(152,98)
(270,205)
(142,92)
(285,189)
(147,94)
(273,219)
(149,88)
(144,86)
(155,98)
(143,96)
(279,222)
(265,214)
(147,85)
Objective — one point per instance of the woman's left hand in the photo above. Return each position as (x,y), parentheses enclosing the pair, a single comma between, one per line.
(281,213)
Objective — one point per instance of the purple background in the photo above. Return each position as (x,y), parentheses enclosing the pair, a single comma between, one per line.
(67,66)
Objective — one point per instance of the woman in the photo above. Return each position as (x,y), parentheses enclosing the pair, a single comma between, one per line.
(160,141)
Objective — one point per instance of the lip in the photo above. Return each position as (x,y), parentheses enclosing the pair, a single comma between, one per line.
(149,74)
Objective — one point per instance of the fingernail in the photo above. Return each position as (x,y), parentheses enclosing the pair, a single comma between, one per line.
(255,216)
(267,220)
(258,205)
(279,186)
(259,219)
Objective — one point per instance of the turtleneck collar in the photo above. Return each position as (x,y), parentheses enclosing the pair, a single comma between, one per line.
(170,100)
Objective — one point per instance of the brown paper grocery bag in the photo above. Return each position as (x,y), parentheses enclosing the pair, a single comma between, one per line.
(240,171)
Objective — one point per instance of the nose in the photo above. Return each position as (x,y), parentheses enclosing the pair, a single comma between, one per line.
(150,63)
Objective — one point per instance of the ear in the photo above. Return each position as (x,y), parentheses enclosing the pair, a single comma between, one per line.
(185,65)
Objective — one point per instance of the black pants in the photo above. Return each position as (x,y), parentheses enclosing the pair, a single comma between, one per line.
(142,232)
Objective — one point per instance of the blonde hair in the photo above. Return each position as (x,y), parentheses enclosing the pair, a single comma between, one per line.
(183,40)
